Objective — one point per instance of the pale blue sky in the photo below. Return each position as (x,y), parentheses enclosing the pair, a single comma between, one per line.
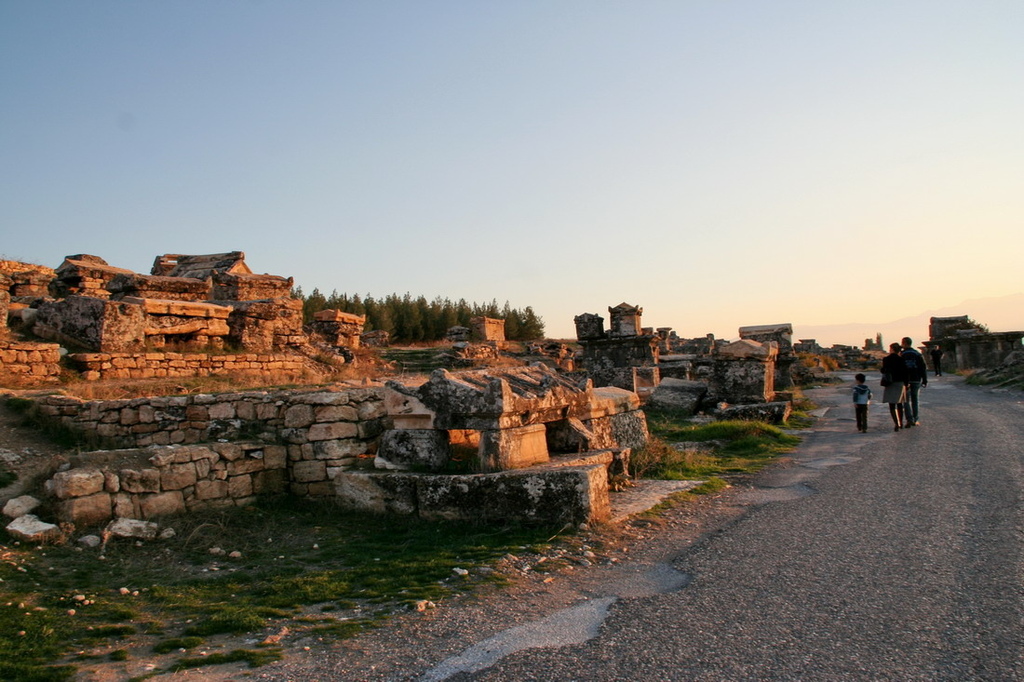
(718,163)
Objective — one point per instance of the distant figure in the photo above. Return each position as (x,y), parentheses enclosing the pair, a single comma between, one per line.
(861,400)
(894,375)
(917,376)
(937,360)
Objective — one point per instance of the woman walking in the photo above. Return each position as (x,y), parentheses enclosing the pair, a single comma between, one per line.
(894,376)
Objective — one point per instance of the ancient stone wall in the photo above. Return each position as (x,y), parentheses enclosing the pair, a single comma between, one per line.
(159,481)
(322,432)
(36,361)
(158,365)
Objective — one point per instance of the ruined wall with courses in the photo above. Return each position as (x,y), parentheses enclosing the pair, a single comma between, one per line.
(157,365)
(308,437)
(37,361)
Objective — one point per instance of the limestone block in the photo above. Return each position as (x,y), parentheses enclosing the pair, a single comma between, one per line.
(225,410)
(135,529)
(377,493)
(629,429)
(228,451)
(515,448)
(30,528)
(320,489)
(250,464)
(140,480)
(209,490)
(86,511)
(679,394)
(270,482)
(276,456)
(161,504)
(111,482)
(564,495)
(178,476)
(240,486)
(337,449)
(19,506)
(414,449)
(77,483)
(299,416)
(309,471)
(332,431)
(126,506)
(336,413)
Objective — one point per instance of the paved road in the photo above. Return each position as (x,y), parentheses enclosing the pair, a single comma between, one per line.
(879,556)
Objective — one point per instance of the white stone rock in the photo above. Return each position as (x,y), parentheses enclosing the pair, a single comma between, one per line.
(132,528)
(30,528)
(90,541)
(19,506)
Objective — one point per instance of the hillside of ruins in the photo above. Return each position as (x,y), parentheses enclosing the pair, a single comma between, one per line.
(477,427)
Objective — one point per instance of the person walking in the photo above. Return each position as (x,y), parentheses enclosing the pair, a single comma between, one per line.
(936,354)
(917,377)
(861,400)
(894,374)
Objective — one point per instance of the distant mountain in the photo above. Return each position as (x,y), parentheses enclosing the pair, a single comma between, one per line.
(1002,313)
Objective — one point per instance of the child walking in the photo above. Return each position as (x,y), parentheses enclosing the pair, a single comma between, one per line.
(861,399)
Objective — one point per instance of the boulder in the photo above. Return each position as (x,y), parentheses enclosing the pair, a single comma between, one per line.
(31,529)
(131,528)
(678,394)
(19,506)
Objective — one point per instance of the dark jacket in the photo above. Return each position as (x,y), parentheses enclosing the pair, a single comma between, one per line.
(892,364)
(914,361)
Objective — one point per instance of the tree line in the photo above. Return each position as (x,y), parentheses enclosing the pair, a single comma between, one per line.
(409,319)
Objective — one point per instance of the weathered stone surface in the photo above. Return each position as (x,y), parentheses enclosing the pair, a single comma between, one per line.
(513,448)
(772,413)
(96,324)
(377,493)
(19,506)
(30,528)
(414,449)
(332,431)
(76,483)
(86,511)
(309,471)
(161,504)
(679,394)
(132,528)
(178,476)
(140,481)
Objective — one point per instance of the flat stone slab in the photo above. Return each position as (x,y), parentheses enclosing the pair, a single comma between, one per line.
(645,495)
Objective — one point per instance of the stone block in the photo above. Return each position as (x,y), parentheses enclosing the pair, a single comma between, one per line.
(376,493)
(336,449)
(86,511)
(298,416)
(515,448)
(19,506)
(270,482)
(336,413)
(210,490)
(414,449)
(309,471)
(275,456)
(178,476)
(76,483)
(161,504)
(332,431)
(140,480)
(30,528)
(240,486)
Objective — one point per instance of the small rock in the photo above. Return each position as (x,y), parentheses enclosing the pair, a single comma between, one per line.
(235,555)
(167,534)
(90,541)
(424,604)
(30,528)
(19,506)
(124,590)
(217,551)
(460,571)
(132,528)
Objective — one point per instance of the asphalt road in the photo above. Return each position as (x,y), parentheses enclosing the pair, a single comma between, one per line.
(878,556)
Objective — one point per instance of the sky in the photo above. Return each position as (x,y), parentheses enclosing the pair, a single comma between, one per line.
(718,163)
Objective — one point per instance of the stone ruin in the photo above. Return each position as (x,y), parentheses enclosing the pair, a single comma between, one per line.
(970,348)
(626,356)
(191,303)
(338,329)
(534,438)
(782,336)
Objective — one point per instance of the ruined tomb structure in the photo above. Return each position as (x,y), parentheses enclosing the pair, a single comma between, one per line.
(487,330)
(621,357)
(338,329)
(743,372)
(782,336)
(511,418)
(85,275)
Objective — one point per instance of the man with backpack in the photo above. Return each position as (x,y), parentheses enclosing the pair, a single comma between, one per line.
(917,376)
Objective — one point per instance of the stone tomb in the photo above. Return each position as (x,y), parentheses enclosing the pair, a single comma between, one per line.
(782,335)
(513,417)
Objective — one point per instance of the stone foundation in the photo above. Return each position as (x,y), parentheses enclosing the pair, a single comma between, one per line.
(37,361)
(157,365)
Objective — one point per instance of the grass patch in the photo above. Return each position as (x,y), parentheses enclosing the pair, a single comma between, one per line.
(255,658)
(681,450)
(297,555)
